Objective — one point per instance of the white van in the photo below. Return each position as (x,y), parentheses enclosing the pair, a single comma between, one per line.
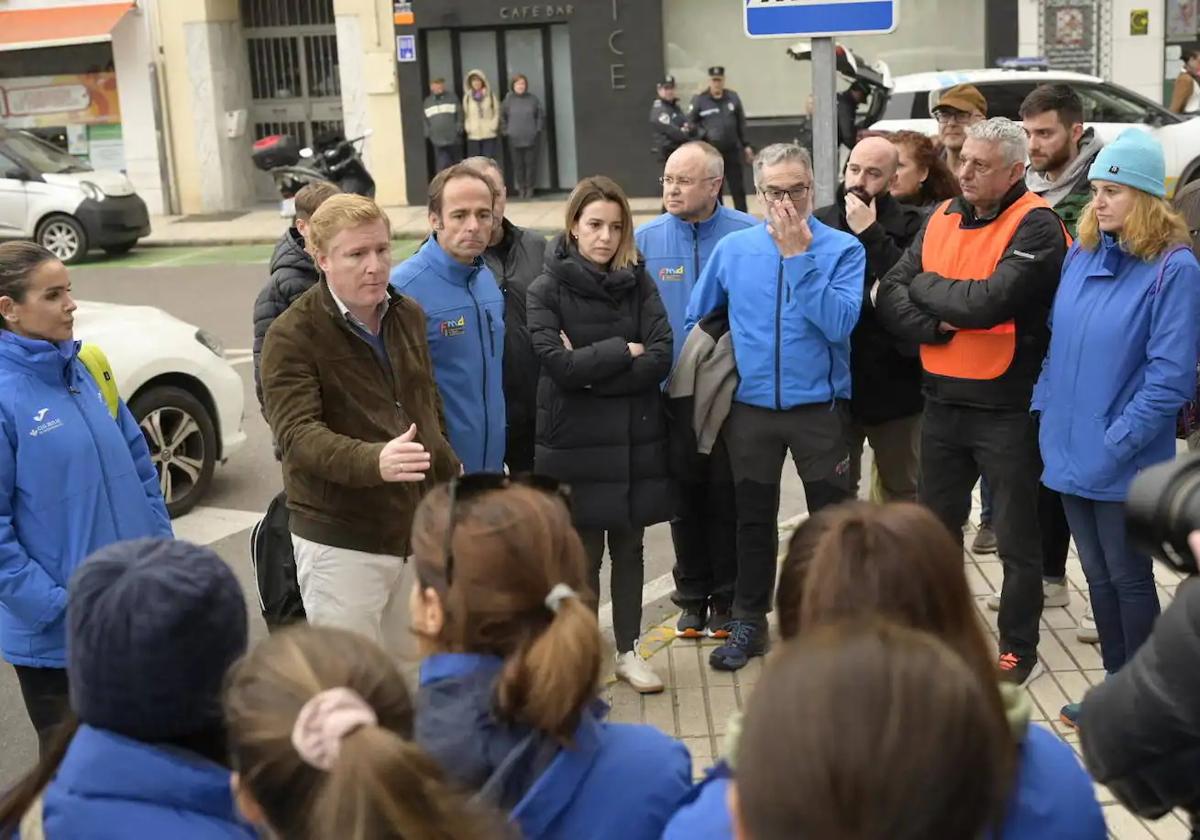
(54,199)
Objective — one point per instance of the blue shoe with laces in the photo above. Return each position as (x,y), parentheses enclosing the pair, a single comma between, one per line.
(747,639)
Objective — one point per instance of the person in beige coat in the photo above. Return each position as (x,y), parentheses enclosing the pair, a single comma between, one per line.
(481,112)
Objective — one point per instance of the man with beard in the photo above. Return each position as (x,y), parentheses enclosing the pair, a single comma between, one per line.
(885,401)
(1060,150)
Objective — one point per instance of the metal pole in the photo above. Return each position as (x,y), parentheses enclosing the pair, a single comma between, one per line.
(825,144)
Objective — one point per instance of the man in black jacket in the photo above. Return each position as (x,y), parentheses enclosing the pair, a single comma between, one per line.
(975,289)
(720,119)
(667,121)
(885,401)
(515,256)
(443,125)
(293,271)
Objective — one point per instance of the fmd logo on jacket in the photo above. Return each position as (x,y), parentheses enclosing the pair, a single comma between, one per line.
(454,326)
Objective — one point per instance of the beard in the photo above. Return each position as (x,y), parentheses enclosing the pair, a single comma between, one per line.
(861,194)
(1056,159)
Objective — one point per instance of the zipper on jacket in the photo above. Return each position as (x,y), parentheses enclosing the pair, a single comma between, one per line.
(778,334)
(695,252)
(75,395)
(832,394)
(483,358)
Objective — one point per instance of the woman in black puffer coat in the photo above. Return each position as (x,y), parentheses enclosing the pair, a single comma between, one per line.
(601,333)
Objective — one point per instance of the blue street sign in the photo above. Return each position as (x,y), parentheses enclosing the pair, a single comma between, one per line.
(406,48)
(819,18)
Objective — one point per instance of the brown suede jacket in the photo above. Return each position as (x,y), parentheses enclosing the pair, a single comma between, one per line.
(332,406)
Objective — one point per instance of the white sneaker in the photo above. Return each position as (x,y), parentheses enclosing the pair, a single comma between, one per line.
(1087,628)
(1053,595)
(637,672)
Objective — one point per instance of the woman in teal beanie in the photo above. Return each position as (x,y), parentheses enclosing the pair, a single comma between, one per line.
(1122,362)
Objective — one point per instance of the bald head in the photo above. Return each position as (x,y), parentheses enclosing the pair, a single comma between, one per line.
(692,181)
(871,167)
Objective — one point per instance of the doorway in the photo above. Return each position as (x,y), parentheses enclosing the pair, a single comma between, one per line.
(543,55)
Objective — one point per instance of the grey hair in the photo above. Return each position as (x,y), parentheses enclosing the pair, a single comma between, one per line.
(1010,136)
(714,164)
(778,153)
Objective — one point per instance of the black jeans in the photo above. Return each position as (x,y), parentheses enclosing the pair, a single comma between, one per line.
(519,444)
(487,148)
(735,177)
(704,532)
(524,168)
(759,440)
(626,564)
(1056,534)
(446,156)
(957,443)
(44,691)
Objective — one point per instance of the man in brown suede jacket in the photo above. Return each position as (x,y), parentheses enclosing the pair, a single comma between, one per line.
(350,395)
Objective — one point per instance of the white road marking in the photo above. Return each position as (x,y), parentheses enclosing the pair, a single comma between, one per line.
(206,525)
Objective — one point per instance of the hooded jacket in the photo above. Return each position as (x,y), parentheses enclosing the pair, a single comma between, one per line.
(885,373)
(790,318)
(72,480)
(1122,362)
(293,273)
(612,780)
(676,253)
(601,424)
(522,119)
(1072,190)
(464,324)
(443,119)
(110,787)
(481,117)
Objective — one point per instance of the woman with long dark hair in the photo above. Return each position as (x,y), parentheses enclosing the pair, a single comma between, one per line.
(923,179)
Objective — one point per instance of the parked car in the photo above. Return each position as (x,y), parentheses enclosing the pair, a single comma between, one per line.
(188,400)
(1107,107)
(55,199)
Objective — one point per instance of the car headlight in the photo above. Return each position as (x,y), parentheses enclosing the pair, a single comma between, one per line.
(211,342)
(91,191)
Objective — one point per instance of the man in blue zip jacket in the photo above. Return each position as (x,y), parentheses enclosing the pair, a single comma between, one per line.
(676,246)
(464,314)
(793,290)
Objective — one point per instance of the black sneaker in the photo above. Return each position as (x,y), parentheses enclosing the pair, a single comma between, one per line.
(691,623)
(985,540)
(747,639)
(1019,669)
(719,619)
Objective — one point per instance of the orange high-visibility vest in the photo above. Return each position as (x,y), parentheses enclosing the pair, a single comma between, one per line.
(965,255)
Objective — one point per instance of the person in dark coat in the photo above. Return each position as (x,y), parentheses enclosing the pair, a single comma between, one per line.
(292,271)
(719,118)
(522,120)
(515,256)
(604,341)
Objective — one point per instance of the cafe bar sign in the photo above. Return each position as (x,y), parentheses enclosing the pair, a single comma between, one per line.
(537,11)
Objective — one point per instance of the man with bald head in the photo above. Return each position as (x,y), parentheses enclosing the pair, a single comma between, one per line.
(885,397)
(676,246)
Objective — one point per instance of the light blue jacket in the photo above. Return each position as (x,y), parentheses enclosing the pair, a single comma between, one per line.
(72,480)
(464,318)
(1122,362)
(676,253)
(790,319)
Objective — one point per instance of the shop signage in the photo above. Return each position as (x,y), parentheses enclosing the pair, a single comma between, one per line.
(39,101)
(1069,35)
(537,11)
(1139,22)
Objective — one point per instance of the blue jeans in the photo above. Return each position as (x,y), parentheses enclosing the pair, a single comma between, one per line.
(985,503)
(1120,579)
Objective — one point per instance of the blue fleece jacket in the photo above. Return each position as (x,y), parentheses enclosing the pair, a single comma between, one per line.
(1122,361)
(790,319)
(676,253)
(464,319)
(110,787)
(72,480)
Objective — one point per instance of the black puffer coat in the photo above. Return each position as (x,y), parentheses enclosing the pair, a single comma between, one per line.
(292,274)
(601,426)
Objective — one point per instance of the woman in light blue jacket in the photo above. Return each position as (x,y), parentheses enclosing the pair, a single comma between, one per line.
(1121,363)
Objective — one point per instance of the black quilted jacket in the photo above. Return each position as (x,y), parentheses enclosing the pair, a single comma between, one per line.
(292,274)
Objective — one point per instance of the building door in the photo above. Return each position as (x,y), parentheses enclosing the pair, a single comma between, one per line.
(295,87)
(542,55)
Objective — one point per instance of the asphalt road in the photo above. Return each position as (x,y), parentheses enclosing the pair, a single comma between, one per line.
(215,288)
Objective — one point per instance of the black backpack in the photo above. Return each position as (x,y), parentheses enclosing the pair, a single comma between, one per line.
(274,564)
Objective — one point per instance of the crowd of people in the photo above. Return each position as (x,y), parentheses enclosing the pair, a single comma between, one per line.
(464,437)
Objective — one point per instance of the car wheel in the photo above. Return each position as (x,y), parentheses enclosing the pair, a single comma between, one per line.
(119,248)
(64,237)
(182,441)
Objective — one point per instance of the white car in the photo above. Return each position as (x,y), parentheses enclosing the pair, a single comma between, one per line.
(54,199)
(188,400)
(1108,108)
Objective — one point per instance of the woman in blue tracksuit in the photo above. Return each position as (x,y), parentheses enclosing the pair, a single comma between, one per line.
(512,651)
(72,479)
(1121,363)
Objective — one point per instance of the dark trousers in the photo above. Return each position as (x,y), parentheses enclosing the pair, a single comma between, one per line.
(488,148)
(626,570)
(759,440)
(1120,579)
(704,532)
(518,448)
(734,177)
(446,156)
(1056,535)
(957,444)
(44,691)
(524,168)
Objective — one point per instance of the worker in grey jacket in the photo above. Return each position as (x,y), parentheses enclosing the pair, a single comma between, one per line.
(521,122)
(443,125)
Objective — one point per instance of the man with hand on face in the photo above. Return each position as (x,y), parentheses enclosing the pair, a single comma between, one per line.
(349,394)
(720,120)
(885,403)
(975,290)
(676,247)
(464,314)
(793,290)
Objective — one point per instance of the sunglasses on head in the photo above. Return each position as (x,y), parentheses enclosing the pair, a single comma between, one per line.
(472,485)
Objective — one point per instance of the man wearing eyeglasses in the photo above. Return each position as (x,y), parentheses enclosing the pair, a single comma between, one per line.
(792,287)
(958,108)
(676,246)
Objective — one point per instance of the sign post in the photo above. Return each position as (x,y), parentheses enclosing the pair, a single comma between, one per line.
(821,20)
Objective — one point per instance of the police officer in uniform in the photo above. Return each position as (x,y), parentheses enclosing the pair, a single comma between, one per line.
(720,119)
(668,122)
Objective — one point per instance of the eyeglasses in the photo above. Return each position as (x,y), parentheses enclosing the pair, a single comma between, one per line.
(472,485)
(948,115)
(683,183)
(796,193)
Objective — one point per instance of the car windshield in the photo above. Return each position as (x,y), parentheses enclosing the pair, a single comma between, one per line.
(41,156)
